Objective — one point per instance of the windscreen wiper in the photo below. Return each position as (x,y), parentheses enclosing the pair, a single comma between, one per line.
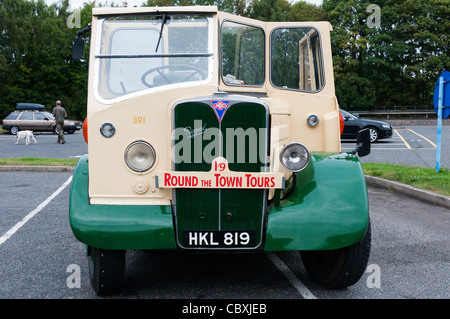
(165,17)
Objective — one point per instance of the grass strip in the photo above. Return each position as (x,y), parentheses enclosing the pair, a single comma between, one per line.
(419,177)
(33,161)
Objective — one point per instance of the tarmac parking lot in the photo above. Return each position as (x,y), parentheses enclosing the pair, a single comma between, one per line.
(409,145)
(409,256)
(41,259)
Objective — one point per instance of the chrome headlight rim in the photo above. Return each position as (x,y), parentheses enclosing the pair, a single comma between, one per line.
(149,165)
(286,148)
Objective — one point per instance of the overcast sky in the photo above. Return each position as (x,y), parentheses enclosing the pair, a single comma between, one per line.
(79,3)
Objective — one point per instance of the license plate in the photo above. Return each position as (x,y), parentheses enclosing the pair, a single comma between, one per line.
(219,238)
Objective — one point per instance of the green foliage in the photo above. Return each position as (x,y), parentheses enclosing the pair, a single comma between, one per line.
(396,63)
(231,6)
(36,57)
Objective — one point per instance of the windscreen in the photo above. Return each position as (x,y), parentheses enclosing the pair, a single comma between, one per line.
(144,52)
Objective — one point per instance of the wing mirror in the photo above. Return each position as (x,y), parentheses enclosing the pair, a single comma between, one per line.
(363,143)
(78,48)
(78,43)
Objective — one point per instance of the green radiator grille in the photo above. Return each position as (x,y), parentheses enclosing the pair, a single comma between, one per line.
(224,209)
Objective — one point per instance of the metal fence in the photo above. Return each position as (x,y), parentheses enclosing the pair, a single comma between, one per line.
(425,111)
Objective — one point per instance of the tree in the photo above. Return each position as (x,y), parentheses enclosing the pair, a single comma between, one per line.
(231,6)
(36,57)
(269,10)
(396,63)
(350,40)
(303,11)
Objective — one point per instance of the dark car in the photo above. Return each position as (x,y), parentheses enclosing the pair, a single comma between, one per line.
(36,120)
(353,124)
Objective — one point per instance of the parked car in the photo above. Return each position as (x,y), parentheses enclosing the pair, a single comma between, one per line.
(26,119)
(353,124)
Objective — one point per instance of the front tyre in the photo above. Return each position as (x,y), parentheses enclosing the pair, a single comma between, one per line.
(374,134)
(14,130)
(340,268)
(106,270)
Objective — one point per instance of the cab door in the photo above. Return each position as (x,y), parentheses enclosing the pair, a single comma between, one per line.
(299,68)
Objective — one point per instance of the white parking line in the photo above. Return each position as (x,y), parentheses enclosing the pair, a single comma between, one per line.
(301,288)
(19,225)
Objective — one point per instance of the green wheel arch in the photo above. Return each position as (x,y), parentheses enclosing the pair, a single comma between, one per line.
(328,209)
(117,226)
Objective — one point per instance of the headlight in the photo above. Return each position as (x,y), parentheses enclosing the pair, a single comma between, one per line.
(386,126)
(294,157)
(140,156)
(107,129)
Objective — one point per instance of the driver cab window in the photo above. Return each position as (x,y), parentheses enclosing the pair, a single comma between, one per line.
(123,72)
(296,59)
(242,54)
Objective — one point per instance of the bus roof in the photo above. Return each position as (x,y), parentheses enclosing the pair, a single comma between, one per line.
(140,10)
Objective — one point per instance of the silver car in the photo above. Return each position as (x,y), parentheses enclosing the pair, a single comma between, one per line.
(35,120)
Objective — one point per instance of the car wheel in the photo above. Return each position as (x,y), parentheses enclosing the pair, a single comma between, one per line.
(106,270)
(374,134)
(14,130)
(339,268)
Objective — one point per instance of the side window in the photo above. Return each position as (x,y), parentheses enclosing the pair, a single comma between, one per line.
(26,116)
(39,117)
(296,59)
(242,54)
(12,116)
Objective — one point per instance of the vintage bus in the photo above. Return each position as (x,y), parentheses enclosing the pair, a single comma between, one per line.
(215,132)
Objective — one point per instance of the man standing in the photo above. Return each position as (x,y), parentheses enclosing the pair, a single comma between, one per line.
(60,113)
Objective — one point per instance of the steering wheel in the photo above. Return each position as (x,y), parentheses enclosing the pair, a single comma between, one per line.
(172,67)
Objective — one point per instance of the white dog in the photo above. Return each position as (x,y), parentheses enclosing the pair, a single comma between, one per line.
(26,135)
